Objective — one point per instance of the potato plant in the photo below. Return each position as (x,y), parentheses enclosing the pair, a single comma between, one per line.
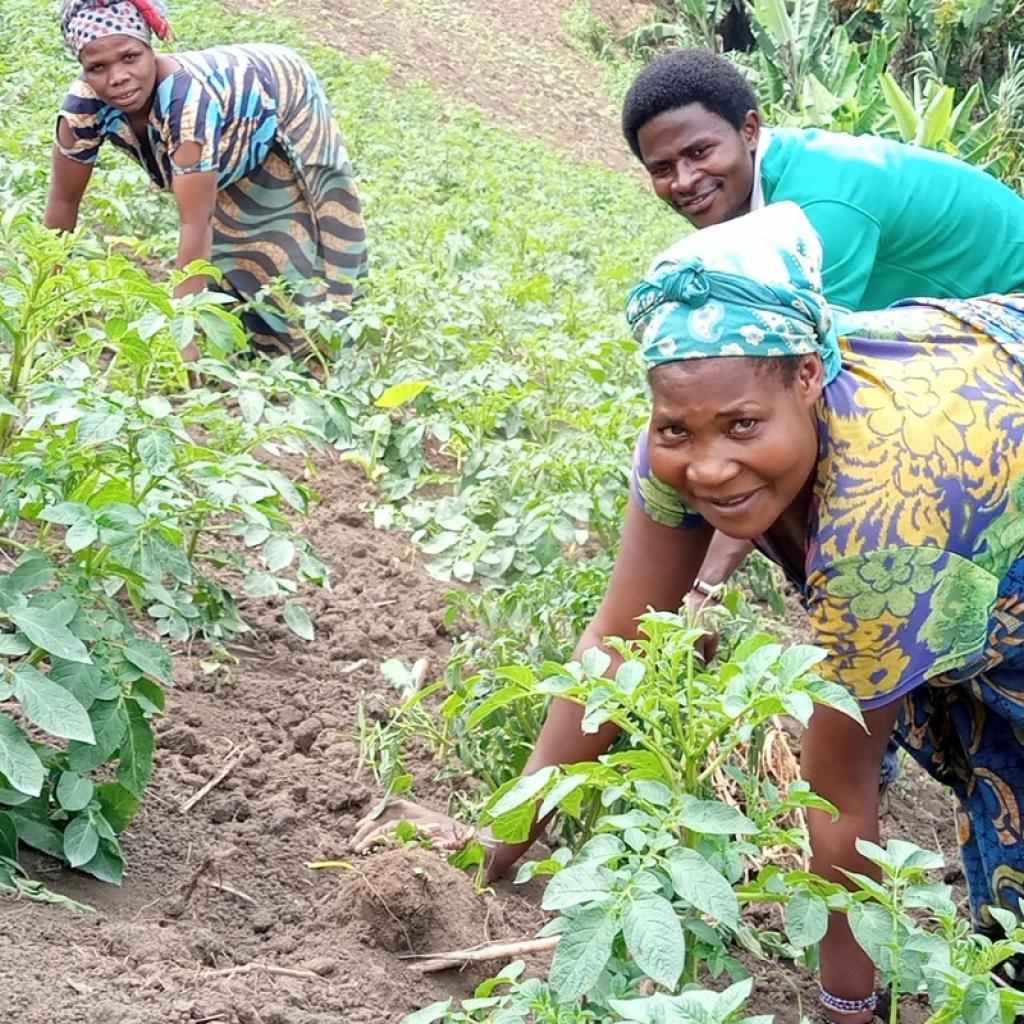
(132,511)
(657,890)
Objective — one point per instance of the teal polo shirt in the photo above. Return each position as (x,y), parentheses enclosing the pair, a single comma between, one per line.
(897,221)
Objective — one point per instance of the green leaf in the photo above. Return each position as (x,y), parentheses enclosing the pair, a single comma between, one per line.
(118,803)
(806,919)
(582,953)
(81,534)
(156,406)
(109,723)
(34,828)
(51,707)
(136,764)
(13,645)
(148,695)
(48,630)
(797,661)
(901,106)
(251,404)
(429,1014)
(65,513)
(654,938)
(33,570)
(871,926)
(155,451)
(278,553)
(696,881)
(576,884)
(8,837)
(73,791)
(107,863)
(498,699)
(559,791)
(81,840)
(298,620)
(713,817)
(18,761)
(522,791)
(150,657)
(399,394)
(981,1003)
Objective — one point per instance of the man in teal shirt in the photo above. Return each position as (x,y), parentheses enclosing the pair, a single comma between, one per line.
(895,220)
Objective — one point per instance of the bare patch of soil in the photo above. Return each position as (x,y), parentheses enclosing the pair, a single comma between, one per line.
(511,58)
(224,885)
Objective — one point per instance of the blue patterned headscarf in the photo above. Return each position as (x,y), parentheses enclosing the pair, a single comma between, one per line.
(748,287)
(82,21)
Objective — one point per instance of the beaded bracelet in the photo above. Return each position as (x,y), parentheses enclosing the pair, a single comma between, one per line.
(848,1005)
(826,1019)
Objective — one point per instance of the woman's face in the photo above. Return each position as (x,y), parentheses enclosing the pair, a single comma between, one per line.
(121,71)
(734,439)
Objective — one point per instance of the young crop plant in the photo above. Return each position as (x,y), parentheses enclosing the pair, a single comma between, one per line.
(909,926)
(505,999)
(133,509)
(680,816)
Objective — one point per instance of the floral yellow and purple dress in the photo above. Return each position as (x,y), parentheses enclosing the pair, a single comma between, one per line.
(287,205)
(914,578)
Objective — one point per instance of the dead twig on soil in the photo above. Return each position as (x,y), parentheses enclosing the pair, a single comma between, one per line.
(250,968)
(234,757)
(431,963)
(224,887)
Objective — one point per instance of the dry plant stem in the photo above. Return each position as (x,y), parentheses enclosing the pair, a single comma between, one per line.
(233,759)
(250,968)
(224,887)
(431,963)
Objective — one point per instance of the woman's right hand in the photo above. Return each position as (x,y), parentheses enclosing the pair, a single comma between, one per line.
(444,833)
(696,603)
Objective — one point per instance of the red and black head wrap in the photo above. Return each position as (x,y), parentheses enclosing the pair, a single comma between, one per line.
(82,21)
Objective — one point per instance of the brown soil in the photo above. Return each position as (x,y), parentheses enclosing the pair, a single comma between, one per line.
(225,885)
(511,58)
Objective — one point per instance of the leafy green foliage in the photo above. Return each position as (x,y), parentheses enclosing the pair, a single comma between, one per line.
(909,927)
(657,890)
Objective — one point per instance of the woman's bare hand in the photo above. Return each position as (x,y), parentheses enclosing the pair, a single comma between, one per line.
(696,603)
(444,833)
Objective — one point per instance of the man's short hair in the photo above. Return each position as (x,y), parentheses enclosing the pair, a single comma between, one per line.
(681,77)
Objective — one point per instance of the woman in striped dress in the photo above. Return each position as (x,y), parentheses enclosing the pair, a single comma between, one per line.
(242,136)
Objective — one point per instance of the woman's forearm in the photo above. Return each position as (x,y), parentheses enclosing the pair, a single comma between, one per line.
(723,555)
(561,741)
(60,215)
(195,242)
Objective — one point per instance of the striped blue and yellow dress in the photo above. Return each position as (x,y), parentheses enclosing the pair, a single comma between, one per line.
(287,205)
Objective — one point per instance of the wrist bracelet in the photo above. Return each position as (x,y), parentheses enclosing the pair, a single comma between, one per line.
(702,587)
(848,1005)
